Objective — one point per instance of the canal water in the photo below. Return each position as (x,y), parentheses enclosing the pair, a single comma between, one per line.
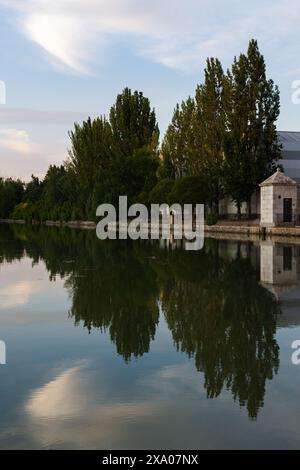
(139,345)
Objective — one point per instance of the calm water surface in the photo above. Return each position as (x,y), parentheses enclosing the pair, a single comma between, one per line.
(135,345)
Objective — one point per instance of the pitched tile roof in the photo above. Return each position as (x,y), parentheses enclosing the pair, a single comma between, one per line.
(278,178)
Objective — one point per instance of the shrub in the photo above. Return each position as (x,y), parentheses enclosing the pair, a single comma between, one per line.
(189,190)
(161,191)
(25,211)
(212,218)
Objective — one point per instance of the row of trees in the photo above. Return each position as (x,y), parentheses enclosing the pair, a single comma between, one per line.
(108,158)
(221,142)
(226,133)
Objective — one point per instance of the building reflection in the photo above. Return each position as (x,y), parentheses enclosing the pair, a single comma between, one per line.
(278,266)
(280,274)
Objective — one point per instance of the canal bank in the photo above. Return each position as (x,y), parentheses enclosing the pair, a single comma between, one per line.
(253,229)
(246,229)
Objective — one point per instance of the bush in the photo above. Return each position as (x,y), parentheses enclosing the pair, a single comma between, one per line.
(189,190)
(25,211)
(211,218)
(161,192)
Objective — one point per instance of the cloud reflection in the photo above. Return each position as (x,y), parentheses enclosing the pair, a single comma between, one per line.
(68,406)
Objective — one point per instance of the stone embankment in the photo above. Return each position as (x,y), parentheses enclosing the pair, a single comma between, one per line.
(219,230)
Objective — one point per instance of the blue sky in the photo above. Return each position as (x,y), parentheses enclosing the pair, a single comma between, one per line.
(62,60)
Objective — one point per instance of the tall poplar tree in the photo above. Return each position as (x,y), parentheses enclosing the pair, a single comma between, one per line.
(194,142)
(89,162)
(177,144)
(90,150)
(133,124)
(252,148)
(210,129)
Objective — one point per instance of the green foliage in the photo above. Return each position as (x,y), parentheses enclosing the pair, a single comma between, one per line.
(189,190)
(253,105)
(33,190)
(11,193)
(210,130)
(221,141)
(132,176)
(176,145)
(89,158)
(227,132)
(160,194)
(211,218)
(27,211)
(133,124)
(113,158)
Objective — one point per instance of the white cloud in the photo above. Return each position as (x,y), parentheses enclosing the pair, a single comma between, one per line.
(23,153)
(58,35)
(31,140)
(15,140)
(176,34)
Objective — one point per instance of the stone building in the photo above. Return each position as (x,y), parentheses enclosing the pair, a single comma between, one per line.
(279,195)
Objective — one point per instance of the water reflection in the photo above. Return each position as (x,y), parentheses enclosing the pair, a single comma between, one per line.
(278,267)
(221,304)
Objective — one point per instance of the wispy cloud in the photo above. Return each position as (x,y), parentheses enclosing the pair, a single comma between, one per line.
(174,34)
(15,140)
(61,36)
(17,116)
(31,140)
(22,154)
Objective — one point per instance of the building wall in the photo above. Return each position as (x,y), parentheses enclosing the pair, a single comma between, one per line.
(272,198)
(279,193)
(267,201)
(227,206)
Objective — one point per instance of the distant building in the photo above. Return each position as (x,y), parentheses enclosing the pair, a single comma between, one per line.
(290,153)
(290,162)
(279,200)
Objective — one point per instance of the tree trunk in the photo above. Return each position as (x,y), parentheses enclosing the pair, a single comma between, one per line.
(249,213)
(217,208)
(239,215)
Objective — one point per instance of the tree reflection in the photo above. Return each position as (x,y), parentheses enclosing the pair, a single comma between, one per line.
(118,293)
(227,321)
(214,305)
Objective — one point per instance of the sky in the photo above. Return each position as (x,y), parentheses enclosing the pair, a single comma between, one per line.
(63,60)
